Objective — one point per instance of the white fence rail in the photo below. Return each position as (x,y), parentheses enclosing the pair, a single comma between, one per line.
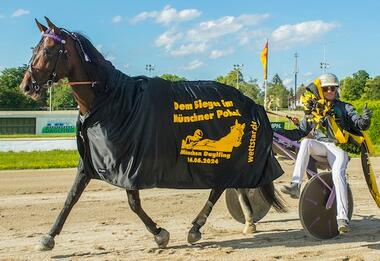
(37,145)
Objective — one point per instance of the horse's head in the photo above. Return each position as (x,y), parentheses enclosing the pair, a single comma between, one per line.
(50,60)
(61,54)
(237,132)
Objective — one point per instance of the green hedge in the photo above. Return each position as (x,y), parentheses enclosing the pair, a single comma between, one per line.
(374,130)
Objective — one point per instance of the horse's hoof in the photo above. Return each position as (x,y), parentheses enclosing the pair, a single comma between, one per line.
(193,236)
(249,229)
(162,238)
(46,243)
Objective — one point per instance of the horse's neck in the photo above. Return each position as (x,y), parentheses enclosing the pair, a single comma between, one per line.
(83,94)
(230,137)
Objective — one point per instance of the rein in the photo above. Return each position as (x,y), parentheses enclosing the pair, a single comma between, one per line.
(294,119)
(82,83)
(281,115)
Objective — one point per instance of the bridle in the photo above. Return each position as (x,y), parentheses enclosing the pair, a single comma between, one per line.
(62,52)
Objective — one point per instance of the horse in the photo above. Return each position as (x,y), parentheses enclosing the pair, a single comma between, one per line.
(63,54)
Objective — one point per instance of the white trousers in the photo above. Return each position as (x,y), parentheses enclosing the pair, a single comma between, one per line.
(338,160)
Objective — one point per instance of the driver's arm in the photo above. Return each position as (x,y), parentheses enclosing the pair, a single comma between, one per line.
(302,130)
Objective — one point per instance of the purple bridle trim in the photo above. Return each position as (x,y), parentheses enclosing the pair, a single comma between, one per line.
(49,33)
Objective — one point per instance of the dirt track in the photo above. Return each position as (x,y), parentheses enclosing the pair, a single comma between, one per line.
(102,227)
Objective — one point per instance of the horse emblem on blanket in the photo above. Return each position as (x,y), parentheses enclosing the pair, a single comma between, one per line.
(224,144)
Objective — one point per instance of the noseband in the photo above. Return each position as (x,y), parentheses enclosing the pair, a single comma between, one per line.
(62,51)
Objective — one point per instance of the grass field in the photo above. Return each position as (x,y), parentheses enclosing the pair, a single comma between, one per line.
(30,136)
(377,149)
(39,160)
(52,159)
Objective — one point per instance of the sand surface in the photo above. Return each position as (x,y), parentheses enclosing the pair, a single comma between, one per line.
(102,227)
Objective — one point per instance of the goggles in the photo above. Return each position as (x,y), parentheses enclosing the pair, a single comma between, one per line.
(331,88)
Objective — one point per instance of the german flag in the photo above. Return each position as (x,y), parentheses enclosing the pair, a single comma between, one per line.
(264,59)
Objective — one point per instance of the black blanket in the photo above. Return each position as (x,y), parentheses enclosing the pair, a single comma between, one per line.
(148,132)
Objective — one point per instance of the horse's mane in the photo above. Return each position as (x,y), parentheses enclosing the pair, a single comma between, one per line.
(93,53)
(98,67)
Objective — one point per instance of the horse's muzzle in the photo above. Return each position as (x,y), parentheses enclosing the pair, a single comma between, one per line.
(28,89)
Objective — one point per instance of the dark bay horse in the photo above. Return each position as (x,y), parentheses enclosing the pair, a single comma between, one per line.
(62,54)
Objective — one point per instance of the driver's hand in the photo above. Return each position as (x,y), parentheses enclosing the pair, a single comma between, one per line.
(296,121)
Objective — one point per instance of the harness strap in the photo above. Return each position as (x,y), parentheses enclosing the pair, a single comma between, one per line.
(343,136)
(82,83)
(367,150)
(368,172)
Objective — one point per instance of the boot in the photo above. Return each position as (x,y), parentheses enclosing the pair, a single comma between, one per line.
(293,190)
(343,226)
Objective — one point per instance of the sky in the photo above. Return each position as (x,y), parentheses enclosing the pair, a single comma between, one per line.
(201,40)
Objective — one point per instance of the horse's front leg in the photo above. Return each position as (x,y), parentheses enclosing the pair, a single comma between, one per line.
(161,235)
(80,183)
(194,233)
(250,226)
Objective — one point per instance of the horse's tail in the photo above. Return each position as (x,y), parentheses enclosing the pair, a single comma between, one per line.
(272,197)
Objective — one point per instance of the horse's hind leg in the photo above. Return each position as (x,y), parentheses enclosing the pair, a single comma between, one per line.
(194,233)
(250,226)
(80,183)
(161,235)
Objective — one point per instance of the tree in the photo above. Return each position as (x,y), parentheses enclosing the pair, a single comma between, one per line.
(235,78)
(62,97)
(352,88)
(361,77)
(251,89)
(348,89)
(277,94)
(372,89)
(276,79)
(172,77)
(300,91)
(11,97)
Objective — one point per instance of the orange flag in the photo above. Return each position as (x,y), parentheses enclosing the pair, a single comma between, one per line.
(264,59)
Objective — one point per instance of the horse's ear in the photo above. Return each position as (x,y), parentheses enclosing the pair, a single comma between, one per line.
(52,26)
(40,26)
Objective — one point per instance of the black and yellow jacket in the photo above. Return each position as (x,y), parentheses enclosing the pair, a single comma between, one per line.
(346,117)
(337,122)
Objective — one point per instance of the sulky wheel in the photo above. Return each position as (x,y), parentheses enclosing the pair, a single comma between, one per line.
(318,221)
(258,205)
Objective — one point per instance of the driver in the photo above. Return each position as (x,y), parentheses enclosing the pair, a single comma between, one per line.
(323,143)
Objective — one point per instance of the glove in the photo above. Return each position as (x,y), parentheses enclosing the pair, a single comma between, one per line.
(367,114)
(295,121)
(365,118)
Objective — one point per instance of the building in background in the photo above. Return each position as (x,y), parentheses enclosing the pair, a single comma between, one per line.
(37,122)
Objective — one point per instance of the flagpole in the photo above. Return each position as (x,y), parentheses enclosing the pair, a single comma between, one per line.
(265,93)
(264,57)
